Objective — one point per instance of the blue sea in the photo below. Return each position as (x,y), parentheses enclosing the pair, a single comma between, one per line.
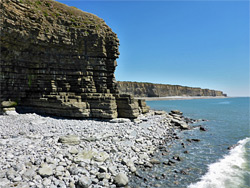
(209,163)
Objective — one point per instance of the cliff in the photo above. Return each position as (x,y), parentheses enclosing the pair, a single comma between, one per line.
(140,89)
(59,60)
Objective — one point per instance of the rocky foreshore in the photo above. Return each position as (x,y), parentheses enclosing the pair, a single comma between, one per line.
(38,151)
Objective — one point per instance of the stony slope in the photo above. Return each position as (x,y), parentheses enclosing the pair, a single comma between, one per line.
(140,89)
(59,60)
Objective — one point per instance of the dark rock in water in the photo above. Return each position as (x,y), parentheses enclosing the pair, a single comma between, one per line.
(164,153)
(177,158)
(169,163)
(188,120)
(154,161)
(183,172)
(162,148)
(165,163)
(148,165)
(178,112)
(138,175)
(195,140)
(158,177)
(232,147)
(202,128)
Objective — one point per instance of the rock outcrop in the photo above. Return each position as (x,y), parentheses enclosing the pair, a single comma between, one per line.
(140,89)
(59,60)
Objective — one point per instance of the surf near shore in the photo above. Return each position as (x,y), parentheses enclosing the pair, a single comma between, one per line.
(180,98)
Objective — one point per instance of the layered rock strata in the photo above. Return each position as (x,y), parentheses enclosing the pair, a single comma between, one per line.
(60,60)
(140,89)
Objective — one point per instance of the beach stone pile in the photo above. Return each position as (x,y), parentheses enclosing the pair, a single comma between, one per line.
(38,151)
(59,60)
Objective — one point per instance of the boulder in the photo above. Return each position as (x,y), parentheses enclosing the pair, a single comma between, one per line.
(120,120)
(178,112)
(160,112)
(8,104)
(69,139)
(121,180)
(180,124)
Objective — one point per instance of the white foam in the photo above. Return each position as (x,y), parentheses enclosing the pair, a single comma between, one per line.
(225,102)
(227,172)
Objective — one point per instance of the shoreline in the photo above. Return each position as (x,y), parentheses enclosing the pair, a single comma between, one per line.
(43,151)
(180,98)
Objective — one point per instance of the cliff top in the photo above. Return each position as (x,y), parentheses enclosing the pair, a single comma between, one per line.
(157,84)
(50,12)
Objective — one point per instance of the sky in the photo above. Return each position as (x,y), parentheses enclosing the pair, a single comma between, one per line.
(191,43)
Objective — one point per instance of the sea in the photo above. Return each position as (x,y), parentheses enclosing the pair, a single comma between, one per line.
(221,159)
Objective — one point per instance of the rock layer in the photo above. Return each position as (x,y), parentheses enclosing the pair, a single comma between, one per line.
(140,89)
(60,60)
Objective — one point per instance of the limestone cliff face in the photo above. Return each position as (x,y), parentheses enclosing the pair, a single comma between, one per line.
(59,60)
(162,90)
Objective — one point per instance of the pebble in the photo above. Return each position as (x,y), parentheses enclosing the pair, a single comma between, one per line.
(49,152)
(84,182)
(73,150)
(45,170)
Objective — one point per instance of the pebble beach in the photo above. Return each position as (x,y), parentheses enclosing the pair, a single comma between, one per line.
(40,151)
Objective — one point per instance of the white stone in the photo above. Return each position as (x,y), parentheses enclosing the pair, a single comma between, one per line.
(45,170)
(121,179)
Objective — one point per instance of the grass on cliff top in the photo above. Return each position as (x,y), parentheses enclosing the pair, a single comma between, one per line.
(57,9)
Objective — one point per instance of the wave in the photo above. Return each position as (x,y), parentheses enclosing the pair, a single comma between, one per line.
(228,172)
(225,102)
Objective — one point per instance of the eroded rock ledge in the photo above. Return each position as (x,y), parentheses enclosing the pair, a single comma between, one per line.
(141,89)
(59,60)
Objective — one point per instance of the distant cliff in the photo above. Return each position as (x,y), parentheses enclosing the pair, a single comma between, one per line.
(140,89)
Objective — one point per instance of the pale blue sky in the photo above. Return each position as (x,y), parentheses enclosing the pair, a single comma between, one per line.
(193,43)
